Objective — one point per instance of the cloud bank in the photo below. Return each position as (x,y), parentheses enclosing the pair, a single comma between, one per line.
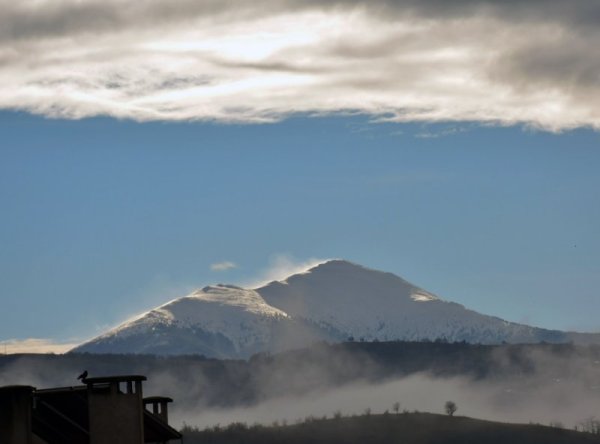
(502,62)
(34,345)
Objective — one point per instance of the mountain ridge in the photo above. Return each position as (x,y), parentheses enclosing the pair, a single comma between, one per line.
(336,300)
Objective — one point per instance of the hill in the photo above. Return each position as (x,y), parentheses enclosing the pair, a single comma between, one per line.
(413,428)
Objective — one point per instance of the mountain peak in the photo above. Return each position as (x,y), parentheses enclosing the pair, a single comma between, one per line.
(335,267)
(341,270)
(337,264)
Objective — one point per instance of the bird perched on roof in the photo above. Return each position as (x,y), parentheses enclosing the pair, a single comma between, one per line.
(83,375)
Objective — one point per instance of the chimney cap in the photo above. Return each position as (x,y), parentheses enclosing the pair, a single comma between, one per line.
(17,388)
(151,399)
(119,378)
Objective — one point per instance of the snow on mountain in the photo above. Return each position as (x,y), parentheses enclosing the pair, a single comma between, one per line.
(221,320)
(334,301)
(374,305)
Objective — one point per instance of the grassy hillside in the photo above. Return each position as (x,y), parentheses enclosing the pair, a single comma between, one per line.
(413,428)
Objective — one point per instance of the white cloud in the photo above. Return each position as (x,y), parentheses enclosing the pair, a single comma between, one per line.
(35,345)
(530,62)
(223,266)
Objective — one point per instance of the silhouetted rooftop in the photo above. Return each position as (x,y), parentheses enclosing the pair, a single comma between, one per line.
(105,410)
(16,388)
(62,389)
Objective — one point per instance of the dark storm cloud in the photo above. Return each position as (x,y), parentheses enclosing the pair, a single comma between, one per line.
(571,62)
(29,19)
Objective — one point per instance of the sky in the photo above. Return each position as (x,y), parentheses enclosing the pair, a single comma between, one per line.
(151,148)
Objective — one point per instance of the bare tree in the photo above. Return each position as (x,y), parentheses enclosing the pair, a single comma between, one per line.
(450,407)
(396,407)
(590,425)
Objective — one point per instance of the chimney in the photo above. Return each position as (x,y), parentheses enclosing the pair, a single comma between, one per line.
(158,405)
(15,414)
(116,409)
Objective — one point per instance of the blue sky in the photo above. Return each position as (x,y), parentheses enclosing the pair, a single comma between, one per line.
(105,218)
(149,148)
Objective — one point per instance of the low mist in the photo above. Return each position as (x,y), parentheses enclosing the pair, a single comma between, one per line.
(545,384)
(565,402)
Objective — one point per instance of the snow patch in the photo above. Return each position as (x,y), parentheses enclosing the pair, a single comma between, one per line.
(423,297)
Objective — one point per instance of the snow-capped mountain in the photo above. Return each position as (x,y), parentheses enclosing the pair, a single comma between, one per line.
(335,301)
(219,321)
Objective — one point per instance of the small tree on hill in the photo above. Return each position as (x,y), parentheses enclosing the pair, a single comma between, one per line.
(450,407)
(590,425)
(396,407)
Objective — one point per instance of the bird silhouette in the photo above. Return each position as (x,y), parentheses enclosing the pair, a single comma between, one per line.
(83,375)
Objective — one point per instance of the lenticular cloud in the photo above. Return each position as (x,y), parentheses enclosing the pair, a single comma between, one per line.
(486,61)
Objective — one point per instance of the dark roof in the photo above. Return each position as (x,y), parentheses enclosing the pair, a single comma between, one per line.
(76,388)
(61,415)
(156,430)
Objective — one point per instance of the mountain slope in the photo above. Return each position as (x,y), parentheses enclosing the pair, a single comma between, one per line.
(375,305)
(221,321)
(333,301)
